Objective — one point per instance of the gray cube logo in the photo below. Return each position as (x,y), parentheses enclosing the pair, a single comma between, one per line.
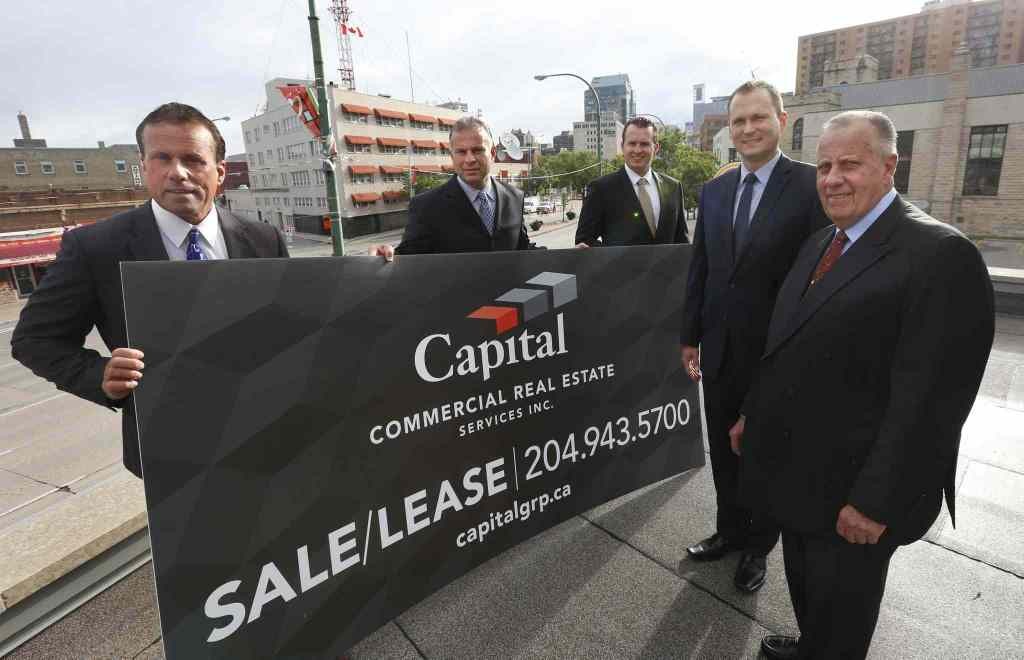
(562,286)
(532,302)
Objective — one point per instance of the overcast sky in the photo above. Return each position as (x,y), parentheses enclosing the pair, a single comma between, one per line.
(88,71)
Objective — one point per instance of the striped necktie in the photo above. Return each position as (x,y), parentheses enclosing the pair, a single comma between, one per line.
(486,212)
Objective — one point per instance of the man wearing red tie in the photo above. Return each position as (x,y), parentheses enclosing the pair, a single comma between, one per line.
(850,431)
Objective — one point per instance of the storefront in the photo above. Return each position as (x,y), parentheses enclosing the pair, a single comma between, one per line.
(24,256)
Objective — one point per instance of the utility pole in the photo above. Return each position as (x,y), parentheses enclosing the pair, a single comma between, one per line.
(337,239)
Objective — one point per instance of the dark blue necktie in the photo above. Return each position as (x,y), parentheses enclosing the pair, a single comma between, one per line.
(193,251)
(742,224)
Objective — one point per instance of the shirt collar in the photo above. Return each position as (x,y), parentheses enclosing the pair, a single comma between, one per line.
(764,172)
(471,192)
(176,229)
(861,226)
(634,177)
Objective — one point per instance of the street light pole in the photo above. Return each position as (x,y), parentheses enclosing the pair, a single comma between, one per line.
(337,239)
(597,99)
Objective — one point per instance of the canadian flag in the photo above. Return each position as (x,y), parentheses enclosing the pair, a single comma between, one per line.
(345,29)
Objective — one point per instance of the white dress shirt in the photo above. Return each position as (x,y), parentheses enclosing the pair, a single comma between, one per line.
(859,228)
(174,233)
(763,173)
(652,190)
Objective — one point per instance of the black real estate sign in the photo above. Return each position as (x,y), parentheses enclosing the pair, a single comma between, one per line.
(326,442)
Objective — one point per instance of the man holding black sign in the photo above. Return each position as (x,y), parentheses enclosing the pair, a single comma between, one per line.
(472,212)
(183,166)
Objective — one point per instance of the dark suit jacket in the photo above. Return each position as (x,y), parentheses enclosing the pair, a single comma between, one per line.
(729,297)
(867,378)
(82,290)
(612,214)
(443,220)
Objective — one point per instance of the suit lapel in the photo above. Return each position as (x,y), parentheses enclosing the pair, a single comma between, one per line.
(144,242)
(732,183)
(868,249)
(772,191)
(236,239)
(462,208)
(503,211)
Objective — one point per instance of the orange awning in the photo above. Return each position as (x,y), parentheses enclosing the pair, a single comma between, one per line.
(355,109)
(427,168)
(365,197)
(362,169)
(425,144)
(358,139)
(424,118)
(392,142)
(445,122)
(394,194)
(390,113)
(387,169)
(444,145)
(447,168)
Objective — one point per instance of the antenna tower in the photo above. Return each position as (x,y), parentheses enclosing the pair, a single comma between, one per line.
(341,13)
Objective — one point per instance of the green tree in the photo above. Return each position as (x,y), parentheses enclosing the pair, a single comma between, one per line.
(679,160)
(424,182)
(571,170)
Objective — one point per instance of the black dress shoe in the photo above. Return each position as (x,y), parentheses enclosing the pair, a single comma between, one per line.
(711,548)
(750,573)
(780,647)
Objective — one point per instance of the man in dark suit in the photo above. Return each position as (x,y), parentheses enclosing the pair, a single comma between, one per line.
(874,356)
(472,212)
(635,205)
(183,166)
(751,221)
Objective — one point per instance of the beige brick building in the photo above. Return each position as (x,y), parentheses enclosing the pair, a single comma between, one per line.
(919,44)
(378,139)
(85,168)
(961,140)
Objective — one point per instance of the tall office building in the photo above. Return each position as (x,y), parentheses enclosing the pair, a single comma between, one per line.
(616,94)
(921,43)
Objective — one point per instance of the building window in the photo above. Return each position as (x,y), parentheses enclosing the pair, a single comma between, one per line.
(423,151)
(984,160)
(393,150)
(362,178)
(248,136)
(798,134)
(259,157)
(79,166)
(46,167)
(120,166)
(359,148)
(270,155)
(300,178)
(421,125)
(355,118)
(20,167)
(905,148)
(362,205)
(732,154)
(391,121)
(277,129)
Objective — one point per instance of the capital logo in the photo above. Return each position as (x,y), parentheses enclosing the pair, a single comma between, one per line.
(536,297)
(546,292)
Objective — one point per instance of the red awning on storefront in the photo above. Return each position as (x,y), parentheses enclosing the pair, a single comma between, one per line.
(358,139)
(365,197)
(355,109)
(22,250)
(427,168)
(394,194)
(423,118)
(425,144)
(392,114)
(387,169)
(362,169)
(444,145)
(445,122)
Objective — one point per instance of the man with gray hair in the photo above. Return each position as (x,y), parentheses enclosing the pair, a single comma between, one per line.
(850,431)
(473,212)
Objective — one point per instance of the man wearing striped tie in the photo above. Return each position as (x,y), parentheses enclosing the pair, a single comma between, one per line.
(473,212)
(183,166)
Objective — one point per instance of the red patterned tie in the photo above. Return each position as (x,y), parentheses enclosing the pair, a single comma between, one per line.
(831,256)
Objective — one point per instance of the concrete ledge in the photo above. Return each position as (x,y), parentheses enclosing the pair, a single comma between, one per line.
(1009,289)
(42,549)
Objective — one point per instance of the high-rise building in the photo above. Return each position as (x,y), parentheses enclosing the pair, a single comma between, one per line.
(917,44)
(562,142)
(585,135)
(616,94)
